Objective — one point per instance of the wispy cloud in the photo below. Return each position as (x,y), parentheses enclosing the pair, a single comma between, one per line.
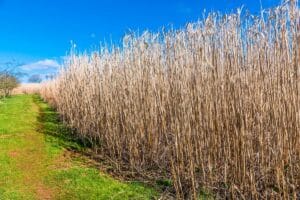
(46,64)
(43,68)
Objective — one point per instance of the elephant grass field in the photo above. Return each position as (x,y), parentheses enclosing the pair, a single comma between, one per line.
(211,108)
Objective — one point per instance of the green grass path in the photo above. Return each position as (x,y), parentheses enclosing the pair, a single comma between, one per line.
(35,162)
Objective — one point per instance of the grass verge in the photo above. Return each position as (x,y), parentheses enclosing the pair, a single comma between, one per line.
(36,161)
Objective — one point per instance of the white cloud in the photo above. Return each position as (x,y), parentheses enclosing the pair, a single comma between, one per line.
(46,64)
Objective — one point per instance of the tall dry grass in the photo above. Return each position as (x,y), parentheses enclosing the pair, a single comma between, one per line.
(27,88)
(214,106)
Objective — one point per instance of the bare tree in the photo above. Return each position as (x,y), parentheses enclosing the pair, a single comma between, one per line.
(8,77)
(7,83)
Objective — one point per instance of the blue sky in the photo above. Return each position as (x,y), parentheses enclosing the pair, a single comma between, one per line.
(38,32)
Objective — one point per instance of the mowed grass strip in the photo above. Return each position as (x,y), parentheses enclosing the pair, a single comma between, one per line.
(33,161)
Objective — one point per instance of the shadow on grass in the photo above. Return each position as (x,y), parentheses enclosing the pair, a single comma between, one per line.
(60,136)
(84,180)
(51,125)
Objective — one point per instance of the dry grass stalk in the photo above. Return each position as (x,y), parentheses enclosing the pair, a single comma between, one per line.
(215,105)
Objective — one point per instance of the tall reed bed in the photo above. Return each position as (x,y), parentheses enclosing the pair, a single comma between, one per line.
(215,105)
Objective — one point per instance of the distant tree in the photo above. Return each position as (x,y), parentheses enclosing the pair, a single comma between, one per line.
(7,83)
(9,77)
(36,78)
(49,76)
